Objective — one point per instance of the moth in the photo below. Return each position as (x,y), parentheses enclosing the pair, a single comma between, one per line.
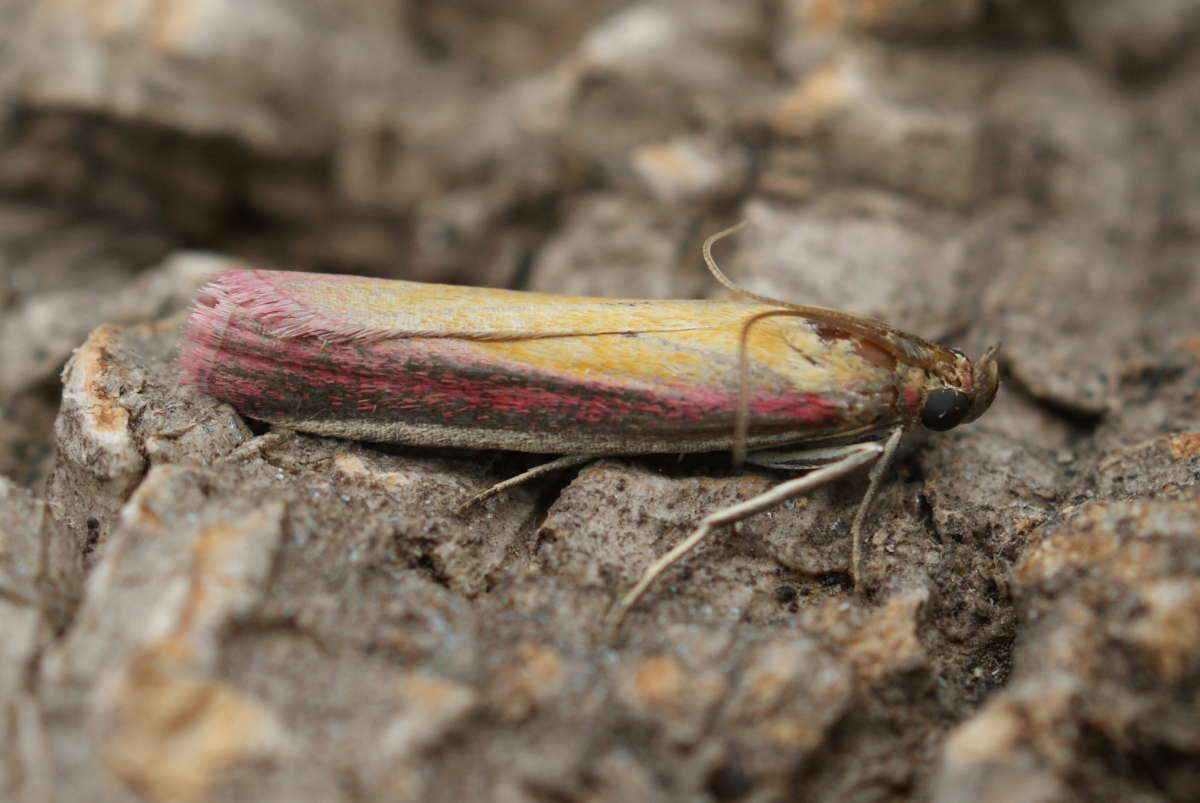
(780,385)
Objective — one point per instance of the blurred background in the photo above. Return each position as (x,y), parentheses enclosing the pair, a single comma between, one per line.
(972,171)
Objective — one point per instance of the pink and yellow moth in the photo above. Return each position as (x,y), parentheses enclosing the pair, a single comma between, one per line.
(784,385)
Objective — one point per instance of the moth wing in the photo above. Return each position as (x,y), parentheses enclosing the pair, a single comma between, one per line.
(353,308)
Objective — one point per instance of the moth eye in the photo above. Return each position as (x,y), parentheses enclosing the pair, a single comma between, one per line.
(944,409)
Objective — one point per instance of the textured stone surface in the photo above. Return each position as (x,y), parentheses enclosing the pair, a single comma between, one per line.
(63,273)
(40,583)
(196,607)
(1108,665)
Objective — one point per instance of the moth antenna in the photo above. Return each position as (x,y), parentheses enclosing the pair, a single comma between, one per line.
(741,421)
(862,325)
(728,283)
(709,242)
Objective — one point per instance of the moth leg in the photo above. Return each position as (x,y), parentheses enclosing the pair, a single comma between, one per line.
(814,458)
(558,464)
(257,445)
(858,539)
(854,456)
(803,459)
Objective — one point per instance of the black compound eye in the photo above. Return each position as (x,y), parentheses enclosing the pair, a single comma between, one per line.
(944,409)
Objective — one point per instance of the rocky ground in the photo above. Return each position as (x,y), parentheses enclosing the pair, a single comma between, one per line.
(195,607)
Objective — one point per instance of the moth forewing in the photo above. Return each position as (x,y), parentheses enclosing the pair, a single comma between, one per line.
(610,378)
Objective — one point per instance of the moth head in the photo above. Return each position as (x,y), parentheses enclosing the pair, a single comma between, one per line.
(947,406)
